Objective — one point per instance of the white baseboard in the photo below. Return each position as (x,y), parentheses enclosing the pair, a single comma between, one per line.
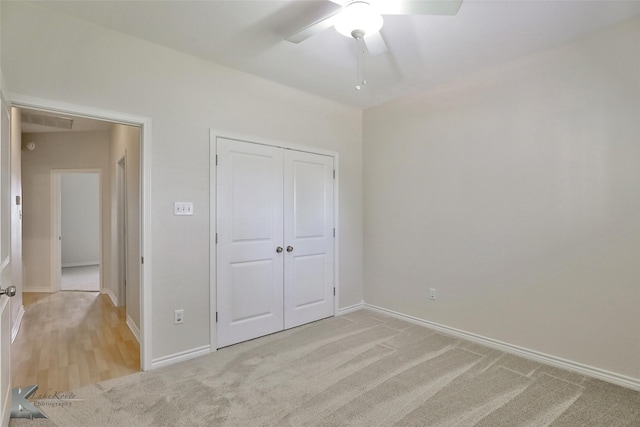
(16,325)
(350,309)
(134,329)
(40,290)
(111,295)
(180,357)
(80,264)
(590,371)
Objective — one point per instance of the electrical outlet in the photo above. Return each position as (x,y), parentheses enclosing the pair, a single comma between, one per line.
(432,293)
(178,317)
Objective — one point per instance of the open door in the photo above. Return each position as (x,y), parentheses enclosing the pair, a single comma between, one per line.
(5,263)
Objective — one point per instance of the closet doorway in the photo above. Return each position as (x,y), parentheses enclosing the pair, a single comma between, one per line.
(275,239)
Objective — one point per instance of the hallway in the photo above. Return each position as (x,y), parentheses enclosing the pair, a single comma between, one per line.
(71,339)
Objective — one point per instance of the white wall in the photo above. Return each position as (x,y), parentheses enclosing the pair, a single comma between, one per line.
(57,150)
(515,193)
(125,141)
(80,219)
(52,56)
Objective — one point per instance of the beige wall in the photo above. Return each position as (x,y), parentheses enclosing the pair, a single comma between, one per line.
(55,57)
(125,141)
(60,150)
(514,193)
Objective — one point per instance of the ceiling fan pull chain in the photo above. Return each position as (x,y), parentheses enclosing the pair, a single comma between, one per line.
(360,80)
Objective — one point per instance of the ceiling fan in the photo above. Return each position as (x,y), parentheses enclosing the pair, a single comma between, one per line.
(362,19)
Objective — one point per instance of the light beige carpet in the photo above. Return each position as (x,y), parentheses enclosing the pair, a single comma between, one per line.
(85,278)
(361,369)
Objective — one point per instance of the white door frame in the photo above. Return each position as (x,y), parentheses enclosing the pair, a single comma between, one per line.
(25,101)
(122,226)
(213,135)
(56,224)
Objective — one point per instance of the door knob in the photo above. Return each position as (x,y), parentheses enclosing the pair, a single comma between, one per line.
(279,249)
(9,291)
(289,248)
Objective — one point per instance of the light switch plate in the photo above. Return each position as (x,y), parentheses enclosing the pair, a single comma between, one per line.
(183,208)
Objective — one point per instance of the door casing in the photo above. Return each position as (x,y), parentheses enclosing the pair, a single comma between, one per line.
(122,228)
(145,124)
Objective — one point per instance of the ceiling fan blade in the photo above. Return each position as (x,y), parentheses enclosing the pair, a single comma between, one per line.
(312,29)
(418,7)
(375,44)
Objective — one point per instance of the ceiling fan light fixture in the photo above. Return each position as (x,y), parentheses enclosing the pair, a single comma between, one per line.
(358,18)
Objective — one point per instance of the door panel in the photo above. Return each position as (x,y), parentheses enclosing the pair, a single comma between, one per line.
(250,228)
(251,290)
(308,231)
(5,349)
(309,280)
(5,261)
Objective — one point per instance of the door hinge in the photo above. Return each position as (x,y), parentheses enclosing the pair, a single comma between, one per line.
(216,160)
(216,238)
(334,232)
(334,291)
(334,174)
(141,260)
(216,317)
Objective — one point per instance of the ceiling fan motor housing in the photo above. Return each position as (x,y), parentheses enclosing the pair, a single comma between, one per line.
(357,19)
(357,34)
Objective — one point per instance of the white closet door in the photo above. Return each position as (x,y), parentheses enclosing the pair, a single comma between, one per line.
(308,236)
(250,229)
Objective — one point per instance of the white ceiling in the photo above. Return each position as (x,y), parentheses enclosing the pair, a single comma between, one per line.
(424,50)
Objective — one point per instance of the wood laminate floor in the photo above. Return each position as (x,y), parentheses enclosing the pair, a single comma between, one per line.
(71,339)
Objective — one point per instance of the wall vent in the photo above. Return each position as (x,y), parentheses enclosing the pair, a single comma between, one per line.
(49,121)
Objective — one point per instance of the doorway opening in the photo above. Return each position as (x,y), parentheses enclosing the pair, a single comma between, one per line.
(77,236)
(86,162)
